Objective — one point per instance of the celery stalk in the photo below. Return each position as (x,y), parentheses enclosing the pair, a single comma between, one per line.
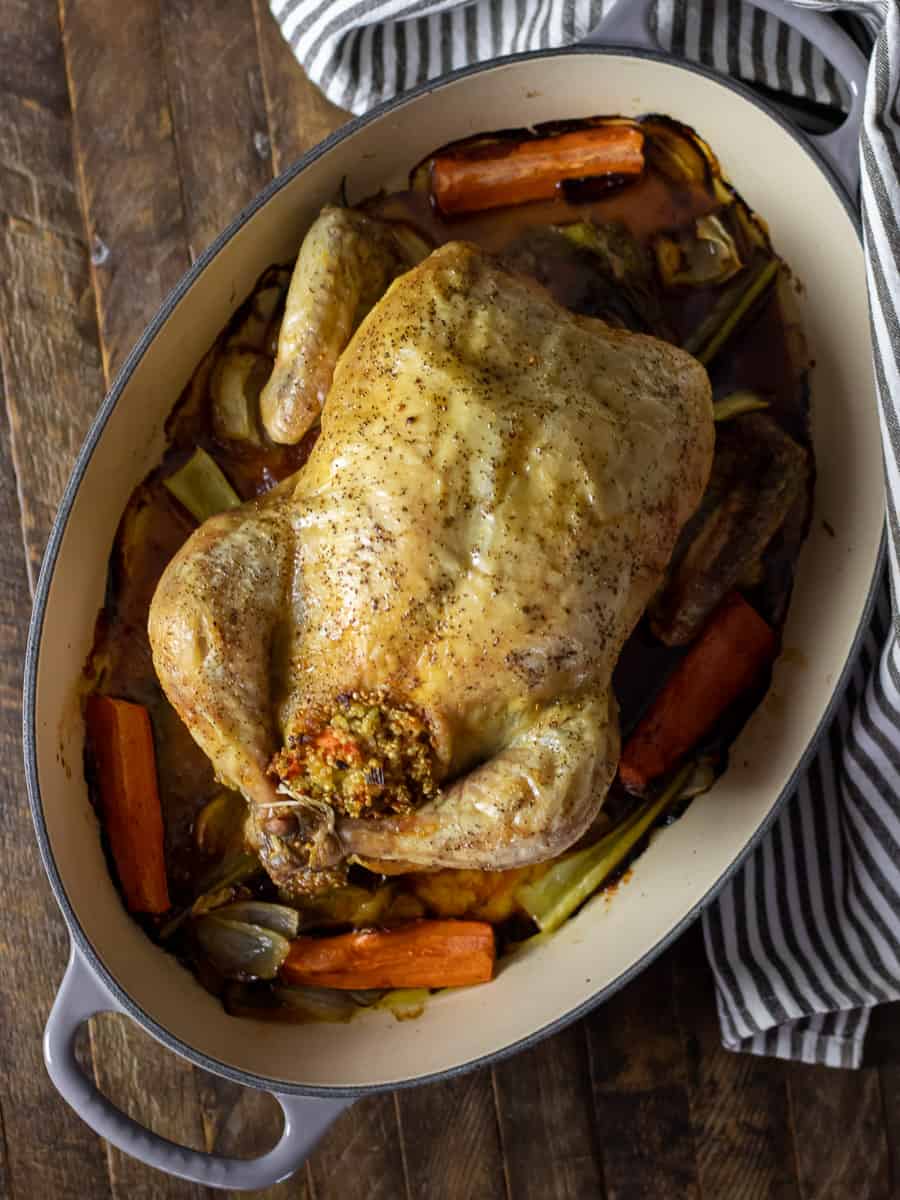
(732,306)
(736,404)
(553,898)
(201,487)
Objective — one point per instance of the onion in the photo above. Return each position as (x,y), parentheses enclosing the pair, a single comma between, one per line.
(278,918)
(238,950)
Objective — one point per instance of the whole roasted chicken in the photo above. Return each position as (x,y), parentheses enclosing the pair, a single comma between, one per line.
(403,654)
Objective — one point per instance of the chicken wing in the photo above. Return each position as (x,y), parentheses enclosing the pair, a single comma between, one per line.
(344,266)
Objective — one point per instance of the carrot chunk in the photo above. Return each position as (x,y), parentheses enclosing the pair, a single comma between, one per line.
(122,745)
(504,173)
(418,954)
(726,659)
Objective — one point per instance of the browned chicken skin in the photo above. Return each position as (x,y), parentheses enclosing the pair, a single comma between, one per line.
(345,264)
(491,504)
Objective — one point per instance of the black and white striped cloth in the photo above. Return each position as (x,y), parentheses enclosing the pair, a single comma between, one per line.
(361,52)
(805,939)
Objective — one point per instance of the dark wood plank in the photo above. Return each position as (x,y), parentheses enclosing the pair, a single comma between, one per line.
(889,1080)
(215,89)
(546,1114)
(5,1181)
(883,1038)
(30,56)
(46,1150)
(883,1053)
(839,1133)
(156,1088)
(46,315)
(738,1104)
(639,1076)
(128,164)
(299,115)
(131,197)
(361,1157)
(451,1140)
(46,347)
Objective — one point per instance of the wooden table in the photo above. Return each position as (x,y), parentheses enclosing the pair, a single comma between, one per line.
(130,134)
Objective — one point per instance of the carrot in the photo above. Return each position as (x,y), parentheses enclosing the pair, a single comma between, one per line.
(724,661)
(330,743)
(416,954)
(122,745)
(503,173)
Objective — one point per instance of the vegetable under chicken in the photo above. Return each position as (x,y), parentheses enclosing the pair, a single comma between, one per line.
(492,501)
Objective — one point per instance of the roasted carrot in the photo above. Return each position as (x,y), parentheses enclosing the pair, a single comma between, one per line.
(503,173)
(331,743)
(725,660)
(122,746)
(416,954)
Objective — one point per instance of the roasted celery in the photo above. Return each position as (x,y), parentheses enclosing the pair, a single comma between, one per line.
(201,487)
(553,898)
(736,404)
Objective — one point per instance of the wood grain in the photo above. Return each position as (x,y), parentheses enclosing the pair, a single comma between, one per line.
(883,1053)
(5,1181)
(889,1082)
(738,1104)
(361,1157)
(214,84)
(47,350)
(839,1136)
(27,1100)
(157,1089)
(46,315)
(546,1114)
(44,1150)
(451,1140)
(299,115)
(639,1077)
(30,56)
(127,162)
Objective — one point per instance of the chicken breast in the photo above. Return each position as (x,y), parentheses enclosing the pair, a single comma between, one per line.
(404,653)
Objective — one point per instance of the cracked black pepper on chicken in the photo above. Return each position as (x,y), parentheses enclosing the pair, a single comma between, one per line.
(440,481)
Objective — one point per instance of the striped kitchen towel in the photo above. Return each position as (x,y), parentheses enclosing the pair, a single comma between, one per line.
(362,52)
(805,938)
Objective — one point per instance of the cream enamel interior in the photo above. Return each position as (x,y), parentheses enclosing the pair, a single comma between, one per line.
(812,230)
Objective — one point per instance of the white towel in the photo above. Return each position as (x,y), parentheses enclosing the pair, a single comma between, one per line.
(805,938)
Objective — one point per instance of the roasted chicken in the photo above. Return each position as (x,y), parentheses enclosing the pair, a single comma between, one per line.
(403,653)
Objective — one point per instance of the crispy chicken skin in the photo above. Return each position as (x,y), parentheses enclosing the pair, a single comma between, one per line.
(344,266)
(491,504)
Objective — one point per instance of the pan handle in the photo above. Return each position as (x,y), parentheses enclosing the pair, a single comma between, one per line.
(627,23)
(81,995)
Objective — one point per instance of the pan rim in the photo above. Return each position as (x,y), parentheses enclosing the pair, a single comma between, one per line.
(80,939)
